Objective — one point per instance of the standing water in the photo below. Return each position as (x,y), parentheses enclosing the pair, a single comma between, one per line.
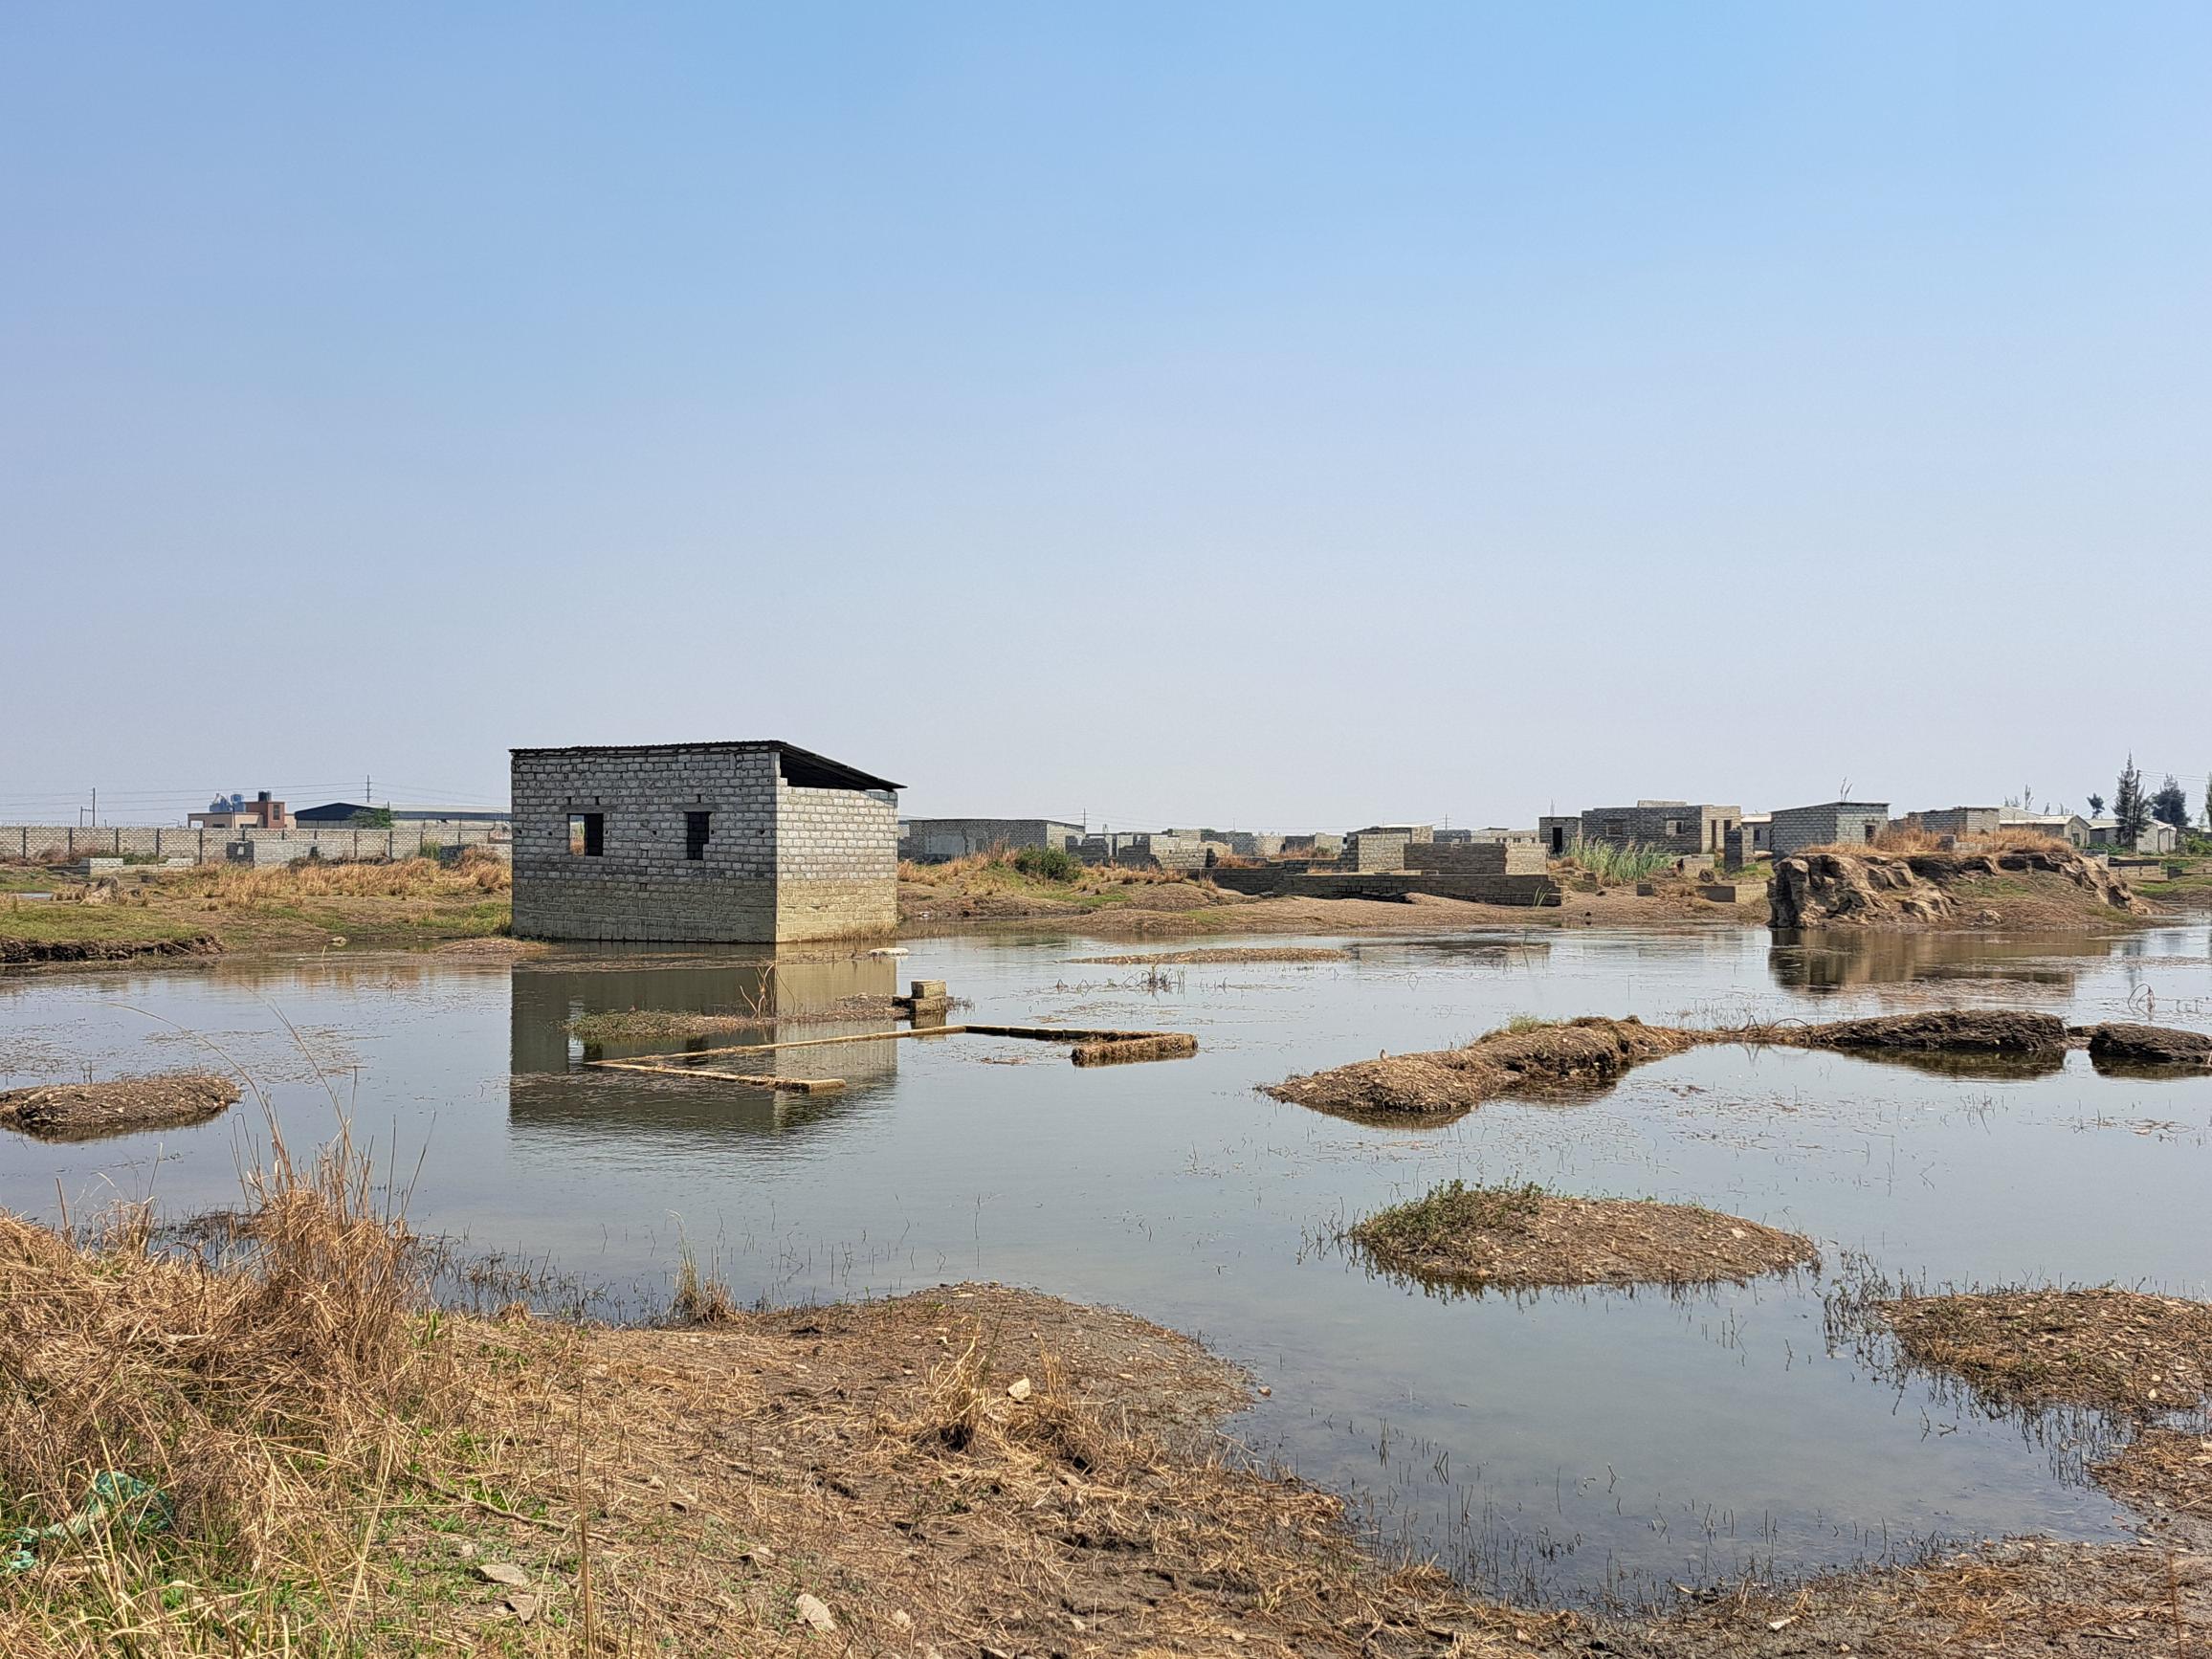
(1569,1447)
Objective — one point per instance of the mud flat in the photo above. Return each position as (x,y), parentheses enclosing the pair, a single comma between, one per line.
(1523,1236)
(1571,1056)
(2150,1047)
(1590,1054)
(123,1106)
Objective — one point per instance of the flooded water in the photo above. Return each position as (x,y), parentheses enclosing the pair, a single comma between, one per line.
(1567,1447)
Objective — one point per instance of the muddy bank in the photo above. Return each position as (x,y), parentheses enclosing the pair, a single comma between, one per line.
(2150,1047)
(1523,1236)
(2123,1352)
(1575,1055)
(125,1106)
(17,952)
(2044,886)
(1944,1031)
(1588,1054)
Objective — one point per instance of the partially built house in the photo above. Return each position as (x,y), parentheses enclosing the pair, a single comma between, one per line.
(1831,823)
(729,843)
(1665,825)
(939,840)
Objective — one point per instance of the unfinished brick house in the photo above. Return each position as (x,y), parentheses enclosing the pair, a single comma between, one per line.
(1669,825)
(1836,823)
(731,843)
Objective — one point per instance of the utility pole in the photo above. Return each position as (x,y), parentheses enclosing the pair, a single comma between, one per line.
(95,808)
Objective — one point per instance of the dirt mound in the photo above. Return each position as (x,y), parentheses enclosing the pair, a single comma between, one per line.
(2128,1045)
(1947,1030)
(1545,1059)
(20,952)
(89,1111)
(2111,1349)
(2053,886)
(1523,1236)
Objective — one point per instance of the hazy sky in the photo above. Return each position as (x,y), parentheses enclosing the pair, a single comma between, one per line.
(1267,415)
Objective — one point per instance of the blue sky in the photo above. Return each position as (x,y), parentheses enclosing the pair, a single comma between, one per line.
(1276,416)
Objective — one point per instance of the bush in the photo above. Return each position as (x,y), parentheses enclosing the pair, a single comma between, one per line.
(1049,863)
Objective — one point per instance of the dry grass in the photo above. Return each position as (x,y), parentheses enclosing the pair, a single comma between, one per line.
(1207,956)
(1511,1236)
(2110,1350)
(234,887)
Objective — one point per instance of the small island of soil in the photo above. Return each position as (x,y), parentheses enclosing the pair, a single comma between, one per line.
(125,1106)
(1572,1055)
(1523,1237)
(2110,1350)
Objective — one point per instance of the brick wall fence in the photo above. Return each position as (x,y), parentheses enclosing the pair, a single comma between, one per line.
(59,841)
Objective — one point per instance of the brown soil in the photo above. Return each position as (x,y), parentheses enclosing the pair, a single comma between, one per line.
(1945,1031)
(2109,1350)
(2044,885)
(2022,1599)
(1511,1237)
(2162,1469)
(2127,1045)
(1575,1055)
(1221,953)
(24,952)
(90,1111)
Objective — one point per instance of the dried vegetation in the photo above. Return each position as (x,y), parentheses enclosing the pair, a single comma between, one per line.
(89,1111)
(1523,1236)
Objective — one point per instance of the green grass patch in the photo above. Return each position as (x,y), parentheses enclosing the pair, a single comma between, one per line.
(47,921)
(1617,864)
(1448,1210)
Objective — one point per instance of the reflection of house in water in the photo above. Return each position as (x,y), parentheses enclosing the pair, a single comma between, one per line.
(550,1088)
(1838,959)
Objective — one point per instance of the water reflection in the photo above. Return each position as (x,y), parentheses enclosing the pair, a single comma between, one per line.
(552,1090)
(1829,960)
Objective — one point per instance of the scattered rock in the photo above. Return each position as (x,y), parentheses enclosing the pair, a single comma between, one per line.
(524,1607)
(1019,1389)
(504,1572)
(815,1614)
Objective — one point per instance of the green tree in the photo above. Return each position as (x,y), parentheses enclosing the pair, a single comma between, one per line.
(2131,811)
(2170,805)
(2096,806)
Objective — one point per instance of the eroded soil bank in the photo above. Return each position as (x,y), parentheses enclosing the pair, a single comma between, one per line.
(2031,883)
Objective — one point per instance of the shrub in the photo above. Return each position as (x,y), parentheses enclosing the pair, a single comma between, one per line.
(1049,863)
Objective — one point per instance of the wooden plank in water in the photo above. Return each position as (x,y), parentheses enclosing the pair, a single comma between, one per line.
(807,1043)
(752,1079)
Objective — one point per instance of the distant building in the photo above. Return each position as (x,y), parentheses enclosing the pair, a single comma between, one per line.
(939,840)
(2069,826)
(1382,847)
(1831,823)
(360,813)
(1321,845)
(2156,836)
(236,812)
(1752,838)
(751,843)
(1670,825)
(1958,821)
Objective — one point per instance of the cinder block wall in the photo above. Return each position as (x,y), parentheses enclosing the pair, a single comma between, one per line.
(643,889)
(836,863)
